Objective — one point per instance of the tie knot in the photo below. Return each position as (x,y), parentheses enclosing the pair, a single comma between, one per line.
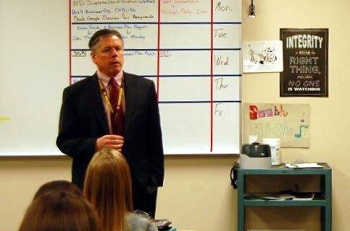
(112,82)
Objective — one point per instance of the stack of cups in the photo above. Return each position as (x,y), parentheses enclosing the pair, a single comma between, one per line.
(275,149)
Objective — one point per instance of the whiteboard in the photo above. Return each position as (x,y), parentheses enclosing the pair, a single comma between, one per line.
(192,45)
(34,69)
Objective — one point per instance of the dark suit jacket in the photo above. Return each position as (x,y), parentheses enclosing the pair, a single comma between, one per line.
(83,120)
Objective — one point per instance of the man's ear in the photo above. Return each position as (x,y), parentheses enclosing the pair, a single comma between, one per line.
(93,56)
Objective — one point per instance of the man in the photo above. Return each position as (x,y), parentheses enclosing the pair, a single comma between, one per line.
(89,120)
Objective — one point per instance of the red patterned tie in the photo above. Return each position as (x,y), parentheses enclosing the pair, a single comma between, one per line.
(117,117)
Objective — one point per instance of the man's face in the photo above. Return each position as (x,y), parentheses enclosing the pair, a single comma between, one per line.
(109,55)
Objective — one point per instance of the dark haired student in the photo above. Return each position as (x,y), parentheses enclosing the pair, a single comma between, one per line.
(118,110)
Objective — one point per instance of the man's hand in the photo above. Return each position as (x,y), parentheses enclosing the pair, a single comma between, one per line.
(110,141)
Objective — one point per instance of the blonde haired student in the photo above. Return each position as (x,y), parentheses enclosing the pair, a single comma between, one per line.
(108,188)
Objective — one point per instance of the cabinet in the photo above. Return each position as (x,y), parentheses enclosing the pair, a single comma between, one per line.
(322,175)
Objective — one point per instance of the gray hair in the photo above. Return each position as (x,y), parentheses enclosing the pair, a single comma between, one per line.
(98,35)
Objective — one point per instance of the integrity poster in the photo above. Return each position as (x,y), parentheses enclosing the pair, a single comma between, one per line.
(305,63)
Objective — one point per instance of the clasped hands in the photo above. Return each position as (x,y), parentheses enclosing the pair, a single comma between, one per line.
(110,141)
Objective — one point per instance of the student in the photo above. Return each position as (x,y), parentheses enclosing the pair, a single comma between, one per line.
(60,211)
(58,185)
(108,187)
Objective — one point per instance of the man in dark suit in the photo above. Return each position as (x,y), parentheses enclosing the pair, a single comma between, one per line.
(88,120)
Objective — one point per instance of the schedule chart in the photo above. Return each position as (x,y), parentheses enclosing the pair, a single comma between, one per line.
(191,49)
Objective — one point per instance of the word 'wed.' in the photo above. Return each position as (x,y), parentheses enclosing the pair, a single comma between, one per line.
(255,113)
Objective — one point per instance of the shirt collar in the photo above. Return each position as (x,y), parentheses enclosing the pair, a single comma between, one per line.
(105,79)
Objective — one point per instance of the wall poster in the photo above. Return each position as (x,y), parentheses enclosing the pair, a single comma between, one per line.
(289,122)
(262,56)
(305,63)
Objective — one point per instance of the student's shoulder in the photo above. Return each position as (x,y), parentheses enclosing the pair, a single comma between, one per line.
(137,222)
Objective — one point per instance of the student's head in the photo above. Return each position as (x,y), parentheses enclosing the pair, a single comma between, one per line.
(108,187)
(107,51)
(58,185)
(60,211)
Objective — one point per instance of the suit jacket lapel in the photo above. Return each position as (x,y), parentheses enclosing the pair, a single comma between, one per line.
(97,104)
(130,102)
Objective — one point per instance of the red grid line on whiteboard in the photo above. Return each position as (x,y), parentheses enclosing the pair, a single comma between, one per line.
(211,74)
(158,52)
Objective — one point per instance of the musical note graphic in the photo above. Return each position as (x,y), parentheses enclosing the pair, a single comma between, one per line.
(299,135)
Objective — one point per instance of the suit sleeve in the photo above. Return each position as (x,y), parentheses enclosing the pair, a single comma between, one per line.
(154,142)
(70,140)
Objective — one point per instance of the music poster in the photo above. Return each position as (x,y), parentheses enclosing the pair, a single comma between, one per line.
(289,122)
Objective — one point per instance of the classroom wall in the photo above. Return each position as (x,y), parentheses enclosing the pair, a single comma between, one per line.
(328,116)
(197,193)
